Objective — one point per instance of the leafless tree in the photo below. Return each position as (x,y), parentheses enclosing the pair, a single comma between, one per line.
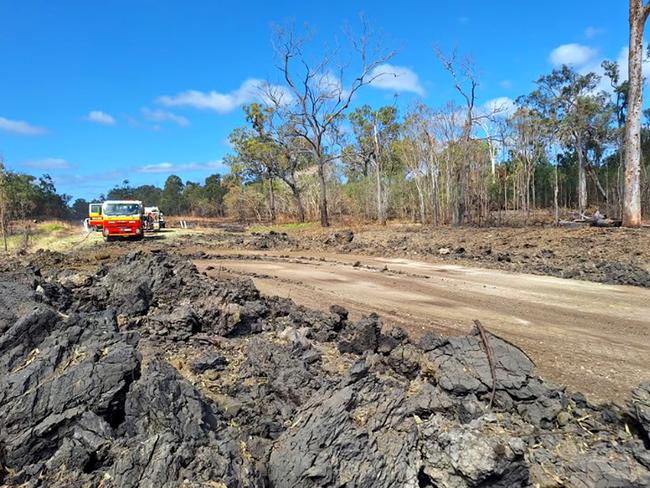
(317,96)
(466,83)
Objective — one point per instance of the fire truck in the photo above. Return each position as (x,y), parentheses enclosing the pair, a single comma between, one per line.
(122,218)
(95,221)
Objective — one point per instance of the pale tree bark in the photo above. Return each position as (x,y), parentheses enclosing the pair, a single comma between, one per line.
(272,199)
(556,192)
(3,204)
(381,215)
(582,181)
(632,189)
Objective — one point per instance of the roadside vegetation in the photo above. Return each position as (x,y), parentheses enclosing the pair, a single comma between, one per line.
(578,144)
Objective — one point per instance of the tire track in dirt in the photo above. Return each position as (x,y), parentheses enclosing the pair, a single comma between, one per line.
(593,337)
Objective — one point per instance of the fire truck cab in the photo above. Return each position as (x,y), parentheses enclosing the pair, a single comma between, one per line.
(95,216)
(122,218)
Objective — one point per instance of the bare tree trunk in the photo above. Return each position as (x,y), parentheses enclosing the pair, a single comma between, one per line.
(3,224)
(632,193)
(3,204)
(599,185)
(272,199)
(301,209)
(324,218)
(582,181)
(381,217)
(556,192)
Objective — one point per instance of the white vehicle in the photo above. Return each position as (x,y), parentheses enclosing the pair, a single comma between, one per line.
(153,218)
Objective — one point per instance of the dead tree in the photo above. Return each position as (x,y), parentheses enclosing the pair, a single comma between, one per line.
(317,97)
(465,83)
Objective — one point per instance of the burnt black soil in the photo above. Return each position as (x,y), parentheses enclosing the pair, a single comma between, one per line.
(144,372)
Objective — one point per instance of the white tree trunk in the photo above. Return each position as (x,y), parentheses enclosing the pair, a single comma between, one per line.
(632,192)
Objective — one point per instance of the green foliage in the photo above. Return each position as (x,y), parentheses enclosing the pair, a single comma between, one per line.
(26,196)
(171,199)
(79,209)
(150,195)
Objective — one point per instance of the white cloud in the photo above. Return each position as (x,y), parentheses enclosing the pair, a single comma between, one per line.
(163,116)
(251,90)
(505,84)
(47,163)
(591,32)
(622,61)
(502,105)
(99,117)
(167,167)
(396,78)
(572,54)
(20,127)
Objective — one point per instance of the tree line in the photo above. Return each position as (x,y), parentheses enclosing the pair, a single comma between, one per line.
(576,142)
(568,144)
(174,198)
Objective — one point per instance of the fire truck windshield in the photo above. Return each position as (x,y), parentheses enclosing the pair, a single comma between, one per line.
(119,209)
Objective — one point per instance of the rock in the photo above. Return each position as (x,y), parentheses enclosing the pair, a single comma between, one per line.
(471,455)
(357,371)
(302,397)
(181,435)
(361,336)
(340,237)
(563,418)
(443,251)
(430,341)
(76,280)
(297,337)
(341,312)
(639,407)
(69,381)
(462,365)
(209,362)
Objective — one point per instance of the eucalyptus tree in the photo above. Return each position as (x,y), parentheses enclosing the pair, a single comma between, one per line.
(4,203)
(413,148)
(317,97)
(528,148)
(576,115)
(256,151)
(375,131)
(466,83)
(639,11)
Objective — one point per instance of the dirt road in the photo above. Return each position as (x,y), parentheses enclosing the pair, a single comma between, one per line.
(592,337)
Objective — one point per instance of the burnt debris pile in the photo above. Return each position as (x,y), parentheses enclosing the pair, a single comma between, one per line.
(147,373)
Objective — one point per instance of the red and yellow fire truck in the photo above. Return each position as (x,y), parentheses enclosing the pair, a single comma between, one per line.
(122,218)
(94,216)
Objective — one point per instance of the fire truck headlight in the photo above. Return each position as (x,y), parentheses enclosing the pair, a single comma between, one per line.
(138,231)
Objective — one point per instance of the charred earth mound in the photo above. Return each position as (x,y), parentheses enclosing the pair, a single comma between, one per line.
(147,374)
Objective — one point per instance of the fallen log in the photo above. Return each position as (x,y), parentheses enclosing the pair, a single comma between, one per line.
(595,220)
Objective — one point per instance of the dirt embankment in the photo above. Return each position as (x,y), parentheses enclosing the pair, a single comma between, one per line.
(613,256)
(143,372)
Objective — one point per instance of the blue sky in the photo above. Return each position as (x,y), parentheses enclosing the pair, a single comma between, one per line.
(97,92)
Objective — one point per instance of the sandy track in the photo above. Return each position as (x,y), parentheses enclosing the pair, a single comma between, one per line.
(592,337)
